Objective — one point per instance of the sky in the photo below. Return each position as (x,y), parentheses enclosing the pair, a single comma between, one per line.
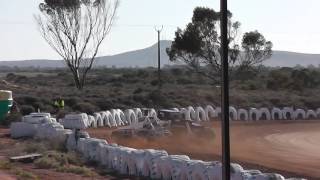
(292,25)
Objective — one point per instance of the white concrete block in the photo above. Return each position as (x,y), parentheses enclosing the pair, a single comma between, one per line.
(76,121)
(22,129)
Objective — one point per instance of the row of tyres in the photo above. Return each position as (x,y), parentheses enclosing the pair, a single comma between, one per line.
(116,117)
(109,118)
(158,164)
(252,114)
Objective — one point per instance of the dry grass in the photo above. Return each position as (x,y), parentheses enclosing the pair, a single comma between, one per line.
(20,173)
(80,170)
(24,175)
(5,165)
(64,162)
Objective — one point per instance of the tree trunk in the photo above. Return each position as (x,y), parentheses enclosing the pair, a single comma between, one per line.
(77,80)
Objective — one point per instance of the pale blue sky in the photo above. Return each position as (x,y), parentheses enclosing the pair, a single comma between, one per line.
(292,25)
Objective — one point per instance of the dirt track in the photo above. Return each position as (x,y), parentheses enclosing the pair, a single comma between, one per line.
(292,147)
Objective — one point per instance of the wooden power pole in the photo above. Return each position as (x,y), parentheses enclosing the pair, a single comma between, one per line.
(159,57)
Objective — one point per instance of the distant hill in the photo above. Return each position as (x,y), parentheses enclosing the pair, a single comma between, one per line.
(148,57)
(291,59)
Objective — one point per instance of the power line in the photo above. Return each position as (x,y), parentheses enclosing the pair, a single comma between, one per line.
(168,26)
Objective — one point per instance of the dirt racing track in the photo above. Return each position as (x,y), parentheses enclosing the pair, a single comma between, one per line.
(293,147)
(285,146)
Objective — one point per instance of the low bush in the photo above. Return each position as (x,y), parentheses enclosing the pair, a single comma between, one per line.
(35,147)
(137,91)
(85,107)
(80,170)
(64,162)
(5,165)
(25,175)
(46,163)
(26,109)
(11,117)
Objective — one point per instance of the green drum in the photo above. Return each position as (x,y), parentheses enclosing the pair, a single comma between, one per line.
(6,102)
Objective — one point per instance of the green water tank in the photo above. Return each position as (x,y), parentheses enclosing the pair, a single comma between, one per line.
(6,102)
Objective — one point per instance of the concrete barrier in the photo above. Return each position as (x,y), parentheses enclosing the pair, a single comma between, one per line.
(23,129)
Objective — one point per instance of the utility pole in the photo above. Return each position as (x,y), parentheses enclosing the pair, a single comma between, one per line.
(225,91)
(159,60)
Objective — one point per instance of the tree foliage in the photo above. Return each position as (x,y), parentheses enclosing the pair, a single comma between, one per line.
(198,45)
(75,29)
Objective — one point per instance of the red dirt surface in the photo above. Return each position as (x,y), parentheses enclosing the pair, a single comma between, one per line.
(291,148)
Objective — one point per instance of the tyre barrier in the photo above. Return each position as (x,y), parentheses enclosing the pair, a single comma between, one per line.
(299,114)
(243,115)
(158,164)
(117,118)
(288,113)
(276,114)
(200,114)
(264,114)
(253,114)
(311,114)
(111,119)
(210,112)
(147,163)
(233,114)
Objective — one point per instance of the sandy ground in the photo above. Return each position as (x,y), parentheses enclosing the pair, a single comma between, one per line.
(291,148)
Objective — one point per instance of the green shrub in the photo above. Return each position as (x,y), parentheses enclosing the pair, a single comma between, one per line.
(25,175)
(11,117)
(63,162)
(85,108)
(137,91)
(5,165)
(76,170)
(35,147)
(184,81)
(46,163)
(10,76)
(26,109)
(154,82)
(72,101)
(158,98)
(105,104)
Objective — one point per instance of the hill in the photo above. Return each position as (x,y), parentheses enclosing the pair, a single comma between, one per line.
(148,57)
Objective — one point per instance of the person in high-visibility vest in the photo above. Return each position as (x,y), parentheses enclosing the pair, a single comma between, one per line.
(59,104)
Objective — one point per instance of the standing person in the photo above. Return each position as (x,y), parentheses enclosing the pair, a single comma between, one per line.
(58,104)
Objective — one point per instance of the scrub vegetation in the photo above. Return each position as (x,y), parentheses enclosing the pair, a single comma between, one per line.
(109,88)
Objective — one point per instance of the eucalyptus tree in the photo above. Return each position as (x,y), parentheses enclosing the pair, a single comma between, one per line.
(75,29)
(199,45)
